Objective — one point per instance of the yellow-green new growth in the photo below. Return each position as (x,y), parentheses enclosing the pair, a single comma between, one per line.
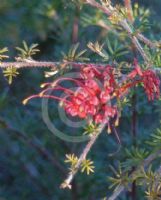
(10,73)
(87,166)
(72,159)
(97,48)
(73,55)
(2,53)
(26,52)
(90,129)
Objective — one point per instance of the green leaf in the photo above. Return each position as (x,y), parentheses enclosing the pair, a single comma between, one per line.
(2,53)
(72,54)
(26,52)
(87,165)
(10,73)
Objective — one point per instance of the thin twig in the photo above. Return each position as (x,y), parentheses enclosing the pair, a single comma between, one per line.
(44,64)
(145,163)
(54,65)
(68,180)
(128,7)
(146,41)
(31,64)
(108,11)
(141,37)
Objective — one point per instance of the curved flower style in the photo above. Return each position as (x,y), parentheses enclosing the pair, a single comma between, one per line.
(97,91)
(149,79)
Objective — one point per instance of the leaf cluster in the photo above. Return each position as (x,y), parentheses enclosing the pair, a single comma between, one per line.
(86,165)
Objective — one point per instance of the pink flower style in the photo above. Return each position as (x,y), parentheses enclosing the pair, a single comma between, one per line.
(96,89)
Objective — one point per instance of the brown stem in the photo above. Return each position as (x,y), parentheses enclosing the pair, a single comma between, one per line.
(134,133)
(32,64)
(144,164)
(54,65)
(128,6)
(134,123)
(69,179)
(75,30)
(75,26)
(141,37)
(134,117)
(108,11)
(146,41)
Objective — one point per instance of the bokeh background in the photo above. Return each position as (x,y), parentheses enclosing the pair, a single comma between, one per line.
(31,157)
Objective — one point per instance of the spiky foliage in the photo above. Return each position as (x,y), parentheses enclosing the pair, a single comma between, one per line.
(133,169)
(71,159)
(10,73)
(87,166)
(3,53)
(73,55)
(26,52)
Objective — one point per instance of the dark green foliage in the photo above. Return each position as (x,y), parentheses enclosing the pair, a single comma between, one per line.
(32,158)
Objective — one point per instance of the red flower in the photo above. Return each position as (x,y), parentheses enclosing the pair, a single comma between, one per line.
(97,87)
(90,98)
(82,103)
(105,96)
(93,86)
(149,79)
(105,114)
(151,84)
(137,71)
(99,118)
(110,111)
(72,109)
(89,72)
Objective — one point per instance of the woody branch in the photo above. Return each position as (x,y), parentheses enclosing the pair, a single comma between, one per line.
(53,65)
(82,157)
(144,164)
(109,11)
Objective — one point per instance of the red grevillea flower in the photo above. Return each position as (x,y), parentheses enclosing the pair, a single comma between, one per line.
(92,98)
(150,80)
(96,89)
(136,71)
(151,84)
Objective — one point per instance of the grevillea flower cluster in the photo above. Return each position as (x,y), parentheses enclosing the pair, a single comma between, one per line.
(97,91)
(149,79)
(92,99)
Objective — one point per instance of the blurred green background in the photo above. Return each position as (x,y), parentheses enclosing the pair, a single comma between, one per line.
(31,157)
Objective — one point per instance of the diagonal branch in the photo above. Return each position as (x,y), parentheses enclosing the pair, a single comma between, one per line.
(109,11)
(128,7)
(145,163)
(146,41)
(68,180)
(141,37)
